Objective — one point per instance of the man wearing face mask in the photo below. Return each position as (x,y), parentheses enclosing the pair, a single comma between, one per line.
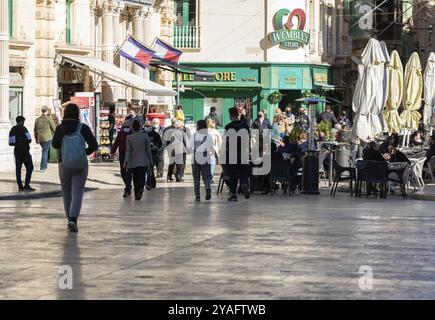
(156,144)
(121,144)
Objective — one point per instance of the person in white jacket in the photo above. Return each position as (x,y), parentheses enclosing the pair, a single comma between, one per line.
(217,143)
(202,153)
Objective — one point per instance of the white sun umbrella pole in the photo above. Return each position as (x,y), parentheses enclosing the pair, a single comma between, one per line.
(429,92)
(385,84)
(367,101)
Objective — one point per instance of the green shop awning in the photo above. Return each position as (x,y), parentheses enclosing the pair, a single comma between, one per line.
(221,85)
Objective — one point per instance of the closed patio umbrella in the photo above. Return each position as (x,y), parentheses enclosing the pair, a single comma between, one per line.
(367,101)
(429,89)
(395,94)
(412,93)
(386,85)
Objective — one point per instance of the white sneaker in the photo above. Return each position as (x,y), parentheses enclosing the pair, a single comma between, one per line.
(43,171)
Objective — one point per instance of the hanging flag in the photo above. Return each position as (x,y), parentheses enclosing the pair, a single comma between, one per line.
(165,51)
(136,52)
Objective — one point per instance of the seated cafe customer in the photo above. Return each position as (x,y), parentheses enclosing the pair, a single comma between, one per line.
(371,153)
(395,155)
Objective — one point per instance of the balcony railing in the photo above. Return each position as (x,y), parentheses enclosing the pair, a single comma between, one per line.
(187,37)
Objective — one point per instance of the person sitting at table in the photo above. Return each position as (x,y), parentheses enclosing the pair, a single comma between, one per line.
(431,151)
(303,142)
(371,153)
(415,139)
(383,148)
(395,155)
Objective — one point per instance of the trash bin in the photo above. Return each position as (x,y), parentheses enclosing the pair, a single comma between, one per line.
(310,175)
(342,157)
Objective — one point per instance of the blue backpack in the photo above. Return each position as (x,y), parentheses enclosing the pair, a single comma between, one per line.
(74,151)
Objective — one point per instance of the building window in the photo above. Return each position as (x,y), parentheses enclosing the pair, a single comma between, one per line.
(186,29)
(10,16)
(68,22)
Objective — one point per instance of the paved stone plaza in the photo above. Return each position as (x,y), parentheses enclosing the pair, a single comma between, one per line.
(169,247)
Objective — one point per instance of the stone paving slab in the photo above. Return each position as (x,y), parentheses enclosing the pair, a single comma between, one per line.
(169,247)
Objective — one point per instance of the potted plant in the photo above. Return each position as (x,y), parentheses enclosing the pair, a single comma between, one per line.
(275,97)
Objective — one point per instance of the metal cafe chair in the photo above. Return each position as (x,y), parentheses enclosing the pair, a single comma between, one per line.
(223,178)
(373,173)
(398,173)
(339,176)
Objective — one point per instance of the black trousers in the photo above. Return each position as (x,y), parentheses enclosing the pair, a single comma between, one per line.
(125,174)
(139,178)
(238,173)
(25,159)
(159,161)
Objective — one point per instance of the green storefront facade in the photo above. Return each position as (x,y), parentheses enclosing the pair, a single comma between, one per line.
(248,84)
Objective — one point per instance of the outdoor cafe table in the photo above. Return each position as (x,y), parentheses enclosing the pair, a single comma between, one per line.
(359,165)
(332,145)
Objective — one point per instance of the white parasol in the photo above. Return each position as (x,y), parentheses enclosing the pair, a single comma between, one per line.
(368,97)
(429,89)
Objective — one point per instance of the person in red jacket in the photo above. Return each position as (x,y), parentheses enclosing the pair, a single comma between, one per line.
(121,144)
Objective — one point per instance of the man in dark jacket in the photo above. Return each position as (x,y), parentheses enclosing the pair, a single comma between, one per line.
(157,127)
(213,115)
(121,145)
(155,141)
(431,151)
(20,139)
(328,115)
(261,123)
(238,168)
(302,120)
(372,153)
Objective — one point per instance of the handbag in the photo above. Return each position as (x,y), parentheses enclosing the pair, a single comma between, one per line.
(151,179)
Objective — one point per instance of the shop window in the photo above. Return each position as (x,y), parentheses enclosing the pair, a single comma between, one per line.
(68,21)
(10,16)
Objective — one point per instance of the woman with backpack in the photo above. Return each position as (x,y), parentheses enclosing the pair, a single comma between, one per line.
(70,138)
(138,157)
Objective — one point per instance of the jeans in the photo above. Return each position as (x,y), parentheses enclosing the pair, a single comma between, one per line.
(25,159)
(44,157)
(160,161)
(199,170)
(73,187)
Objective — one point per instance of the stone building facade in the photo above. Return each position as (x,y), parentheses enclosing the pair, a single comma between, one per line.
(32,32)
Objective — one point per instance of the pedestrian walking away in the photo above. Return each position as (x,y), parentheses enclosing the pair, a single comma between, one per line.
(238,171)
(156,145)
(203,150)
(120,144)
(138,158)
(44,131)
(70,138)
(20,139)
(217,144)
